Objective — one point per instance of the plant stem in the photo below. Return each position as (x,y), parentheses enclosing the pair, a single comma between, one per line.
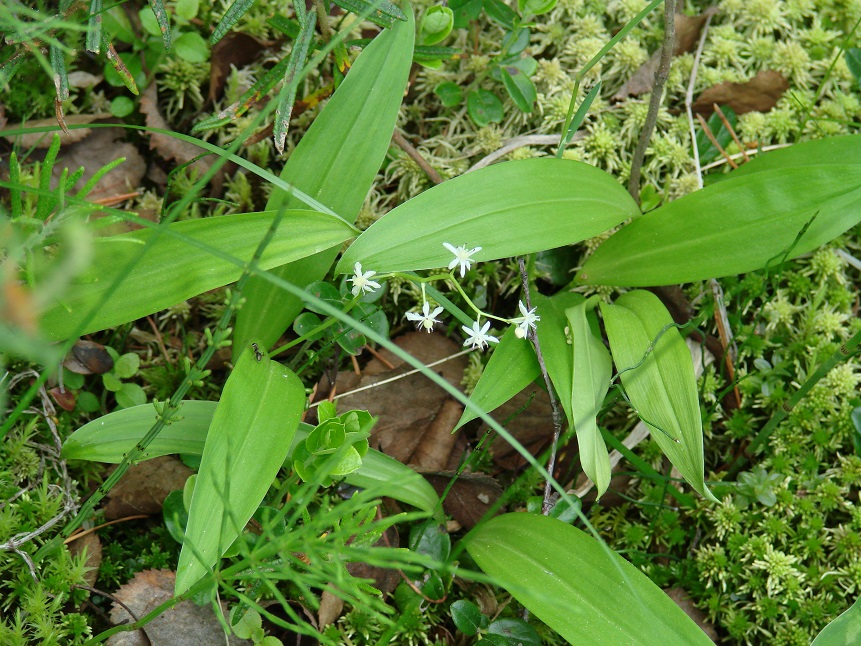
(656,98)
(554,403)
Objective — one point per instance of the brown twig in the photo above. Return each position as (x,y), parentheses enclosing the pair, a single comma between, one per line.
(400,141)
(655,101)
(554,403)
(731,130)
(708,133)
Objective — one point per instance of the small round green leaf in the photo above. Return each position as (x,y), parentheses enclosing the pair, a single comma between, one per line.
(484,107)
(127,365)
(436,25)
(450,94)
(122,106)
(191,47)
(175,515)
(467,617)
(187,9)
(130,395)
(111,382)
(516,631)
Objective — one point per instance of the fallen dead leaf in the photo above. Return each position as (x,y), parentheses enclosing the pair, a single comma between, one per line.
(65,398)
(170,148)
(144,487)
(531,424)
(759,94)
(88,358)
(43,139)
(384,579)
(688,30)
(235,49)
(406,408)
(91,543)
(186,624)
(470,496)
(102,146)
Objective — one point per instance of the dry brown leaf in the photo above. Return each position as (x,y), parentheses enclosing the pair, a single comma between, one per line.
(470,497)
(235,49)
(532,426)
(406,408)
(688,29)
(759,94)
(88,358)
(43,139)
(186,624)
(144,487)
(100,147)
(91,543)
(170,148)
(437,444)
(65,398)
(385,579)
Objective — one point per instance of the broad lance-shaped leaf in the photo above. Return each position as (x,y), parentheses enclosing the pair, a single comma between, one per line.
(656,370)
(555,344)
(249,439)
(174,269)
(110,437)
(593,369)
(512,367)
(842,631)
(507,209)
(581,589)
(335,162)
(741,224)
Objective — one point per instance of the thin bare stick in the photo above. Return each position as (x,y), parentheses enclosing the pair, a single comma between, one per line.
(656,98)
(546,506)
(737,156)
(708,133)
(395,378)
(689,99)
(416,156)
(731,130)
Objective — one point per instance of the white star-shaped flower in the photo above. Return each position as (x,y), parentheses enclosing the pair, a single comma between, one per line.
(477,337)
(361,281)
(528,320)
(426,319)
(461,257)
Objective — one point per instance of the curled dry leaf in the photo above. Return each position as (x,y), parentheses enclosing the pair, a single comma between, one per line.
(759,94)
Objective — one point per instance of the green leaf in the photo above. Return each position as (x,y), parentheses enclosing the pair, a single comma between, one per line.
(555,345)
(507,209)
(578,117)
(249,439)
(127,365)
(742,223)
(464,11)
(582,590)
(512,367)
(853,61)
(501,13)
(187,9)
(656,369)
(593,369)
(109,438)
(535,7)
(349,139)
(436,25)
(467,617)
(233,14)
(842,631)
(515,631)
(298,56)
(191,47)
(450,94)
(379,12)
(519,87)
(130,395)
(484,107)
(161,17)
(173,269)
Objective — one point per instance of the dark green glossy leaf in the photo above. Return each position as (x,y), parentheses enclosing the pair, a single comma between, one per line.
(484,107)
(519,88)
(450,94)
